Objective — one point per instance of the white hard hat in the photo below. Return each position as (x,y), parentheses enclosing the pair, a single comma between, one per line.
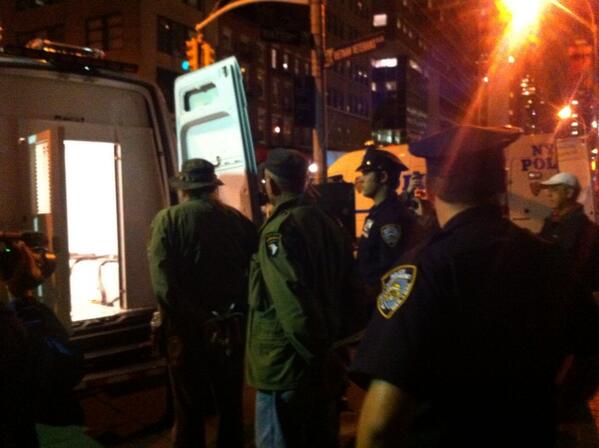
(567,179)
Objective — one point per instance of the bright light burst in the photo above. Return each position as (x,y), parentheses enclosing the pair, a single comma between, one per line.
(565,113)
(522,15)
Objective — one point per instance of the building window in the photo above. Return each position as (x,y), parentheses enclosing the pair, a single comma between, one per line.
(105,32)
(22,5)
(277,130)
(287,131)
(287,95)
(260,133)
(379,20)
(296,66)
(276,92)
(171,37)
(261,52)
(55,33)
(285,61)
(260,83)
(273,58)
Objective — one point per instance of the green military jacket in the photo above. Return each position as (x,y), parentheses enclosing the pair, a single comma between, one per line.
(297,282)
(199,253)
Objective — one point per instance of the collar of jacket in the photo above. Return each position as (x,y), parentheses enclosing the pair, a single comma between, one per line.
(389,199)
(490,213)
(574,212)
(285,205)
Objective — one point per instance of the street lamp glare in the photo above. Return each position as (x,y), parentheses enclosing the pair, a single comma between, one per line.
(524,15)
(565,113)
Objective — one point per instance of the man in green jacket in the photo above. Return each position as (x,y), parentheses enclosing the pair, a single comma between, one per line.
(199,256)
(298,280)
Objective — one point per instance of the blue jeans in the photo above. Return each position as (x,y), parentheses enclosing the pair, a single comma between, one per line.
(296,419)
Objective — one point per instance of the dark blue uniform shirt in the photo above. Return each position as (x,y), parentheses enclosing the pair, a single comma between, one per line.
(389,231)
(475,325)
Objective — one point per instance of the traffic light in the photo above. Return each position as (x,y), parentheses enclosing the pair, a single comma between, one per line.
(207,54)
(191,52)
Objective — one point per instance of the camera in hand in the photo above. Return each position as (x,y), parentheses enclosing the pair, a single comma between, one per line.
(25,258)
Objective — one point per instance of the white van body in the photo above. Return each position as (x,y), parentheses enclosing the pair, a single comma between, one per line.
(85,156)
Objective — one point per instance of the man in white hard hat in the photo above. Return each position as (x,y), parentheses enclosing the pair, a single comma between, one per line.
(570,228)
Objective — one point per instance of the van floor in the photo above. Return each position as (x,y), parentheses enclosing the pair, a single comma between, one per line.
(90,310)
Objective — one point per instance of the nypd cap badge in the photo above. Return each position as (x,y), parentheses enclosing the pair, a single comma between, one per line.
(397,286)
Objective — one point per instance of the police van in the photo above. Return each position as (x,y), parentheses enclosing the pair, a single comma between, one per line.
(86,151)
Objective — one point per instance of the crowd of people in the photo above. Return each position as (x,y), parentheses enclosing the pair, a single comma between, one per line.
(480,332)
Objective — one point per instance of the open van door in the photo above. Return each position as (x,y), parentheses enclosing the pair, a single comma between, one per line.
(213,124)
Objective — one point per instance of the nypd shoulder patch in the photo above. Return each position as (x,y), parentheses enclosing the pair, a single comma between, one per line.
(391,234)
(273,244)
(397,286)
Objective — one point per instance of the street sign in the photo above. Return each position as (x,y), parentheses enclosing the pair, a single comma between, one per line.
(333,55)
(282,36)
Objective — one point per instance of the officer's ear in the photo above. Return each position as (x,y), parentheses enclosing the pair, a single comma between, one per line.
(273,186)
(382,177)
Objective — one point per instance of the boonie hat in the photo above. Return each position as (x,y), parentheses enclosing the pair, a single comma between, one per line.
(379,159)
(195,173)
(567,179)
(287,163)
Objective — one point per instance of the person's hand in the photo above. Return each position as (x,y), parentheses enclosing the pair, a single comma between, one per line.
(27,273)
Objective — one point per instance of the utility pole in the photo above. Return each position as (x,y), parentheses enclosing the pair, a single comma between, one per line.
(319,138)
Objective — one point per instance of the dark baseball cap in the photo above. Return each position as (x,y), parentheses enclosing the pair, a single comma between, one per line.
(287,163)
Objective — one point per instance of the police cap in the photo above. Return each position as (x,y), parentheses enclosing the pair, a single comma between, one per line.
(467,157)
(380,160)
(287,163)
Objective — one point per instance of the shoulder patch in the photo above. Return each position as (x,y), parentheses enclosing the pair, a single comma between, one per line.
(273,244)
(367,226)
(391,234)
(397,286)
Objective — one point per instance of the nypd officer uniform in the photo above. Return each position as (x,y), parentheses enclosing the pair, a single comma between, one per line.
(473,327)
(390,227)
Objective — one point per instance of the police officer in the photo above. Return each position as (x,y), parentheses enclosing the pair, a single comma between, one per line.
(470,330)
(390,227)
(199,255)
(297,292)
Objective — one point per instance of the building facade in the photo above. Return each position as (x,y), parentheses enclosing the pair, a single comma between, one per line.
(152,34)
(422,79)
